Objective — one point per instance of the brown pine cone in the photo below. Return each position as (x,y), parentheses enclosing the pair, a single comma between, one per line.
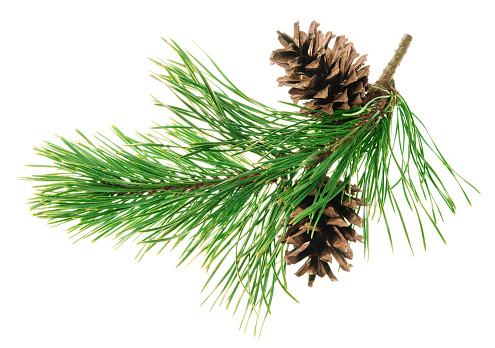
(328,78)
(331,235)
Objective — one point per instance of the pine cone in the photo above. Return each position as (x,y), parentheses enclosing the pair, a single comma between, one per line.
(314,71)
(331,235)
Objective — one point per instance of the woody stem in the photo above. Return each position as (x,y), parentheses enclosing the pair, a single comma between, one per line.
(389,71)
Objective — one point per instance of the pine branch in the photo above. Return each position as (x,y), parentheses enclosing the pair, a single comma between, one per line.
(192,180)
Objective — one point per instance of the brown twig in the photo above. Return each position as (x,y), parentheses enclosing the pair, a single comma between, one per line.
(178,188)
(388,73)
(385,82)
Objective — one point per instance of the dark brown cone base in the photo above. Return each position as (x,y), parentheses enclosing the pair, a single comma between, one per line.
(330,78)
(331,236)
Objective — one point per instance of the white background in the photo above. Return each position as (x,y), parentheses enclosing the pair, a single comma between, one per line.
(67,65)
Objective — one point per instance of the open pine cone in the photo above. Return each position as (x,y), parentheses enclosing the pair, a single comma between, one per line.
(328,77)
(331,235)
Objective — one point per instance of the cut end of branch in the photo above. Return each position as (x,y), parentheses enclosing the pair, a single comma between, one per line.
(389,71)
